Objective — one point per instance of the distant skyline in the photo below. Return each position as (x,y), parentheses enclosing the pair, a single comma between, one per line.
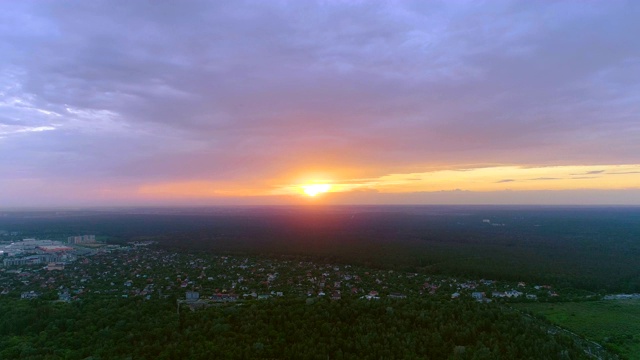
(110,103)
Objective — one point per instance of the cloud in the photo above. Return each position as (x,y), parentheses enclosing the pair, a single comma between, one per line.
(540,197)
(505,181)
(8,130)
(624,173)
(592,172)
(256,92)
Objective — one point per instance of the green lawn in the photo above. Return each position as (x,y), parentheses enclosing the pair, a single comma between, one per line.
(613,323)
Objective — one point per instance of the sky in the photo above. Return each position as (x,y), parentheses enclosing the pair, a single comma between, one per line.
(116,102)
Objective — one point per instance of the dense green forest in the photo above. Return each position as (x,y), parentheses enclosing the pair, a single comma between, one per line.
(580,253)
(592,248)
(108,328)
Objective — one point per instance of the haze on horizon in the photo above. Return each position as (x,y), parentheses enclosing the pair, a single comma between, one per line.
(383,102)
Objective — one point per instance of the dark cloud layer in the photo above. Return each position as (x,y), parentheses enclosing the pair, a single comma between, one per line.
(142,91)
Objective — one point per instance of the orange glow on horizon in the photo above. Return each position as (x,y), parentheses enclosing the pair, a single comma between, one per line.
(196,189)
(315,189)
(478,179)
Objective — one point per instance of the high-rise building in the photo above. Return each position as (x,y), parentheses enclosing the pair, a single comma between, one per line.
(81,239)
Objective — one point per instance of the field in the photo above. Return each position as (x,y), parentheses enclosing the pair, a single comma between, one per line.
(612,323)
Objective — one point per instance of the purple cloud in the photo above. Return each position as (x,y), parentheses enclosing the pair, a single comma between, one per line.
(225,91)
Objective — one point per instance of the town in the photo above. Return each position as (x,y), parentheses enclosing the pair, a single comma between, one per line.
(69,272)
(70,280)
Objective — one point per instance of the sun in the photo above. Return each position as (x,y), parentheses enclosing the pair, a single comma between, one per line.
(315,189)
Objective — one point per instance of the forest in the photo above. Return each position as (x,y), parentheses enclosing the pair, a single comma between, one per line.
(107,328)
(591,248)
(588,251)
